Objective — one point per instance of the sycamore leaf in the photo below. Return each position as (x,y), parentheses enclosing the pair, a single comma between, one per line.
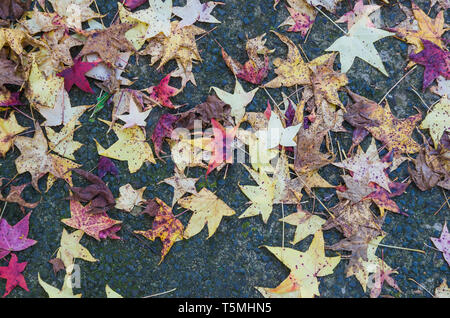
(129,197)
(53,292)
(180,45)
(164,128)
(15,196)
(367,166)
(99,226)
(9,128)
(255,70)
(13,276)
(305,268)
(302,17)
(220,145)
(130,147)
(70,249)
(208,210)
(165,226)
(261,197)
(443,243)
(105,165)
(306,223)
(97,193)
(13,9)
(195,11)
(181,185)
(9,73)
(359,43)
(438,120)
(14,238)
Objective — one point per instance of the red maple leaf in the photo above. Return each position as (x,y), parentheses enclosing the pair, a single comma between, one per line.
(75,75)
(221,151)
(14,238)
(162,92)
(12,274)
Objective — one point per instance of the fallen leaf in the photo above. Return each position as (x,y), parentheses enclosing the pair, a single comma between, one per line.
(195,11)
(443,243)
(70,249)
(181,185)
(162,92)
(9,128)
(129,197)
(359,43)
(165,226)
(99,226)
(305,268)
(14,238)
(130,147)
(208,210)
(53,292)
(76,75)
(13,276)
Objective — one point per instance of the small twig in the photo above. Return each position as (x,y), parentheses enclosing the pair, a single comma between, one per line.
(159,294)
(421,287)
(326,16)
(399,248)
(398,82)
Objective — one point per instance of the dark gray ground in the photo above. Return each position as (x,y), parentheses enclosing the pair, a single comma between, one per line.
(230,264)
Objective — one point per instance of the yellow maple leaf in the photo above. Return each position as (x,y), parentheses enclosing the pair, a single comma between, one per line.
(9,128)
(261,196)
(208,210)
(42,91)
(305,268)
(293,70)
(438,120)
(71,248)
(129,197)
(53,292)
(130,147)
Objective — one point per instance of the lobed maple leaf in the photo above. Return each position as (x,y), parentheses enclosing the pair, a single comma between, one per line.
(13,276)
(162,92)
(99,226)
(360,11)
(14,238)
(129,197)
(70,249)
(305,268)
(181,185)
(53,292)
(9,128)
(438,120)
(208,210)
(165,226)
(14,196)
(76,75)
(435,60)
(130,147)
(359,43)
